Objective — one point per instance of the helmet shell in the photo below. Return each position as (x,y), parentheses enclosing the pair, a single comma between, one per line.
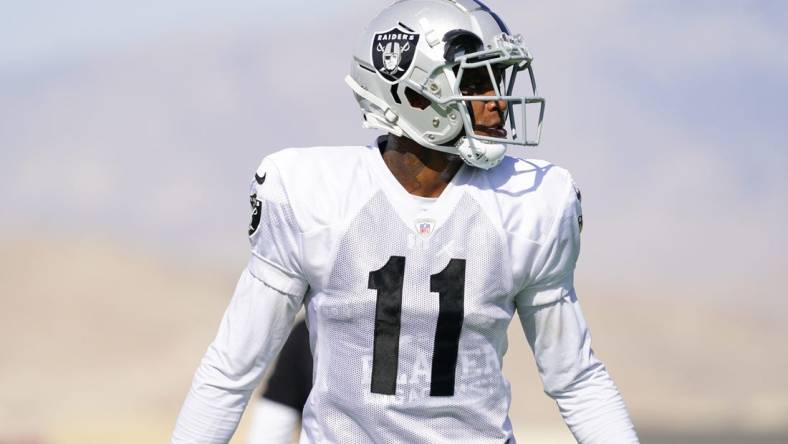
(383,63)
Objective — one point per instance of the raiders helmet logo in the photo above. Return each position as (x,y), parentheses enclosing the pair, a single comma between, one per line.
(392,53)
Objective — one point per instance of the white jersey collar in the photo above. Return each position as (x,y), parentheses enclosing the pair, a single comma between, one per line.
(413,208)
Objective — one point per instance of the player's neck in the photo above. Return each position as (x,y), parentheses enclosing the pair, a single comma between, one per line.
(421,171)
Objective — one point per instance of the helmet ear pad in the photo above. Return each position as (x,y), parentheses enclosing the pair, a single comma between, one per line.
(416,100)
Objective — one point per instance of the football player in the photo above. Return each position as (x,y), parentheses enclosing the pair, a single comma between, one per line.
(278,410)
(412,255)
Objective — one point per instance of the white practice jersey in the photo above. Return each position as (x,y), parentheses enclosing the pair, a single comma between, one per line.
(408,299)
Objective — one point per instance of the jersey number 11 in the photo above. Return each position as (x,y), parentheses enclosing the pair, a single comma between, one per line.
(450,286)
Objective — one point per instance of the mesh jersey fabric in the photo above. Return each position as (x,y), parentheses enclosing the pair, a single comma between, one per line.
(407,302)
(344,219)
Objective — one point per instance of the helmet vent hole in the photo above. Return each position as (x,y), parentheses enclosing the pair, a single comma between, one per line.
(416,100)
(395,94)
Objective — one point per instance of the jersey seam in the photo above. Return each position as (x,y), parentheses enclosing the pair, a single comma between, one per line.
(501,233)
(345,223)
(557,219)
(287,196)
(299,229)
(278,268)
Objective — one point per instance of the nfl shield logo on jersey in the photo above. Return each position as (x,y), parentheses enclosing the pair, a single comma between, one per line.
(392,53)
(425,226)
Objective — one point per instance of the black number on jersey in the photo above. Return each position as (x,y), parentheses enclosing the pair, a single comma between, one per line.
(385,355)
(450,286)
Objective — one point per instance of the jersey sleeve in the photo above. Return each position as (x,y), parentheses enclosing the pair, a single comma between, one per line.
(251,333)
(573,376)
(551,276)
(556,330)
(256,323)
(274,233)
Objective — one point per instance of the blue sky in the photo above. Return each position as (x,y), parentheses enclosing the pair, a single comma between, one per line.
(39,31)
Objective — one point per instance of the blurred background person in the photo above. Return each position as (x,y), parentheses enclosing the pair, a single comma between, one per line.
(276,414)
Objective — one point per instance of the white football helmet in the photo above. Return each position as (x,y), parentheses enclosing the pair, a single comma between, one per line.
(408,66)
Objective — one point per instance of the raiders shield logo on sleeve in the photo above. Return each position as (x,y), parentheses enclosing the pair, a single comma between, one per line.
(256,205)
(579,200)
(256,208)
(392,53)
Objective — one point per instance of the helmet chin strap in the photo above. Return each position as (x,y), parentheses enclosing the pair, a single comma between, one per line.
(475,153)
(480,154)
(389,119)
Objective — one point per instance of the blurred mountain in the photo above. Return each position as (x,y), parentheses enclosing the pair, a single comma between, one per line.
(159,142)
(156,142)
(99,333)
(102,338)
